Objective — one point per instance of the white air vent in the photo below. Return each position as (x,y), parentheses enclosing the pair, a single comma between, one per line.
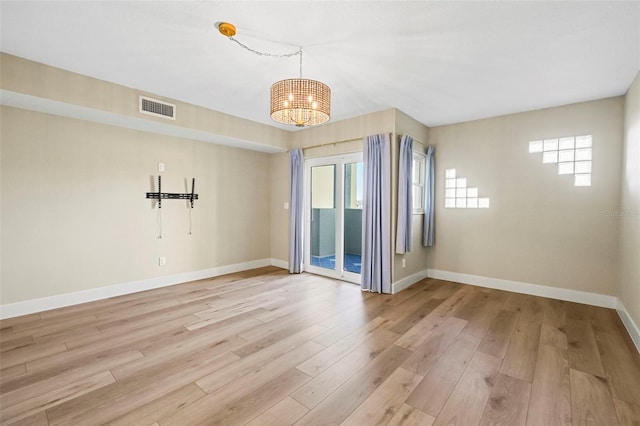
(157,108)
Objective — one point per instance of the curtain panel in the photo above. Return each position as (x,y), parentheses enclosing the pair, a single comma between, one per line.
(296,206)
(376,232)
(428,228)
(405,195)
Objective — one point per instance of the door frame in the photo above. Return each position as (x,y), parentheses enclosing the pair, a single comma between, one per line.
(339,161)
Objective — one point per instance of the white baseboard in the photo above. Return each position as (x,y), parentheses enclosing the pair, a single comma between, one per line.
(595,299)
(407,282)
(58,301)
(631,326)
(284,264)
(526,288)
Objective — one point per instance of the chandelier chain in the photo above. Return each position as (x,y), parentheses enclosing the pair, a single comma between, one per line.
(272,55)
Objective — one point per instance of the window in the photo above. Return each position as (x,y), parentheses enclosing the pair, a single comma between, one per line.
(458,196)
(417,180)
(572,154)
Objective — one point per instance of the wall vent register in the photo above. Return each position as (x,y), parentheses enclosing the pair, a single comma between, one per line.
(158,108)
(459,196)
(573,155)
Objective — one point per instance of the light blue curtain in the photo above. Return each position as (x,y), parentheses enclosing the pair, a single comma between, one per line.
(376,232)
(428,229)
(296,205)
(405,195)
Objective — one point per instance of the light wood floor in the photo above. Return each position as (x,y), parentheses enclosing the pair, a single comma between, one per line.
(266,348)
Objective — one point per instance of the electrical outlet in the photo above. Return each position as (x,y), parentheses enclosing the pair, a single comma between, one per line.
(404,263)
(162,260)
(161,167)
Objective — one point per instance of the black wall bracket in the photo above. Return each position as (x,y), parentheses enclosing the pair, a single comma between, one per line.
(172,196)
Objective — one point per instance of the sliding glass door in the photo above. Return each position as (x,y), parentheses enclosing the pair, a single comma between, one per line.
(333,205)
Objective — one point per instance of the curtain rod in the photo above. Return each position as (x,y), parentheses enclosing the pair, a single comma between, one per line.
(332,143)
(345,141)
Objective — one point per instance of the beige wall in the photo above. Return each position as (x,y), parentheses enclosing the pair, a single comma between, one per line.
(353,129)
(540,229)
(75,217)
(279,215)
(628,214)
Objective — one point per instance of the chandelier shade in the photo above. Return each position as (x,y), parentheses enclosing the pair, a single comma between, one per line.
(301,102)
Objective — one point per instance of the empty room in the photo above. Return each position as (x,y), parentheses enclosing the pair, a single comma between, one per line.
(319,213)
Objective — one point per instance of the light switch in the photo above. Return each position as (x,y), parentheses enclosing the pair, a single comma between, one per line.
(286,206)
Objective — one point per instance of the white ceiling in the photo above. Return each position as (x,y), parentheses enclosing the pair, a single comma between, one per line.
(439,62)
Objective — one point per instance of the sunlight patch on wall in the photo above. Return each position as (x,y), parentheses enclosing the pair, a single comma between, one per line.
(459,196)
(572,154)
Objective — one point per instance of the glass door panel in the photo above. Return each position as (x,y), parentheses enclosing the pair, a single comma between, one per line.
(352,219)
(333,216)
(323,216)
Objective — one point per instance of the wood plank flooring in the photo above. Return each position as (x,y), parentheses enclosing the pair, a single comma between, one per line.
(264,347)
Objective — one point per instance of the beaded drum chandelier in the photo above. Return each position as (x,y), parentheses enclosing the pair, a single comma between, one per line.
(297,101)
